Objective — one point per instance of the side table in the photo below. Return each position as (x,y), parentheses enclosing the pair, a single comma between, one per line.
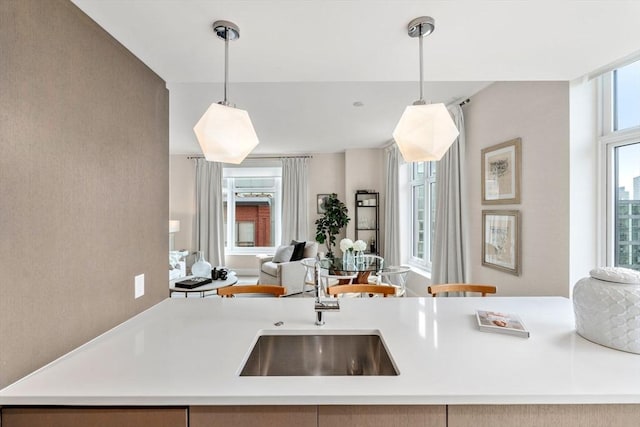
(231,280)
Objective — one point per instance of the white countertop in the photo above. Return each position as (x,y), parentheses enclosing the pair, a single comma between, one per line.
(190,351)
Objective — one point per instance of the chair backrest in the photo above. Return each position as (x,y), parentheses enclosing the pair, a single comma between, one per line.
(369,259)
(395,276)
(326,280)
(461,287)
(231,291)
(309,265)
(362,289)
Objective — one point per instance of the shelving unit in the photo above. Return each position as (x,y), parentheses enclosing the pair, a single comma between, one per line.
(367,219)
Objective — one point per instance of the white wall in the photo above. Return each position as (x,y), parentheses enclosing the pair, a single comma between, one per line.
(537,112)
(326,176)
(364,170)
(182,199)
(584,180)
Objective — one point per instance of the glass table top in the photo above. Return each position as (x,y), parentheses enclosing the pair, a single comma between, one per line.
(337,264)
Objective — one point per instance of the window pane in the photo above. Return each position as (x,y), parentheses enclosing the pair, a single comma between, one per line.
(252,196)
(419,222)
(225,198)
(626,96)
(627,206)
(418,171)
(432,219)
(254,218)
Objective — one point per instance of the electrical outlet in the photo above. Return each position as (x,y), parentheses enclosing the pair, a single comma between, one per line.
(139,286)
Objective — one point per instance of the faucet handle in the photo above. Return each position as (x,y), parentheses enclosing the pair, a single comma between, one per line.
(327,305)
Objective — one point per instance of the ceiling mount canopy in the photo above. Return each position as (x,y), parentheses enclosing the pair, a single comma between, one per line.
(421,26)
(226,30)
(225,133)
(425,131)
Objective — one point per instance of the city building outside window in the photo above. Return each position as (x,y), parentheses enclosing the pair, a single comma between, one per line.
(621,137)
(252,201)
(423,203)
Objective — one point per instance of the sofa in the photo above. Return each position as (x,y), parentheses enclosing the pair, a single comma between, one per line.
(289,274)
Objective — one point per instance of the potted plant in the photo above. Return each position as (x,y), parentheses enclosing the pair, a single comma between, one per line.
(331,222)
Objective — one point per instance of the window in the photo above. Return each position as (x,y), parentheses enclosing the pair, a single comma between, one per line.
(626,97)
(621,138)
(423,203)
(252,200)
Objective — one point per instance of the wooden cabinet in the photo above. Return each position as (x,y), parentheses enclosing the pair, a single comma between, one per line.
(94,417)
(367,220)
(327,416)
(250,416)
(543,415)
(382,416)
(319,416)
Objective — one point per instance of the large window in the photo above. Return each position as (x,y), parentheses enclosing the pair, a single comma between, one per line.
(627,205)
(626,97)
(252,208)
(621,137)
(423,203)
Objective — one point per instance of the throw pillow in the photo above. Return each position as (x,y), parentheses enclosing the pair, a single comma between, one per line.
(298,250)
(310,250)
(283,254)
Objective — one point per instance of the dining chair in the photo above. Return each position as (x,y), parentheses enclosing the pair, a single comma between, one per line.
(461,287)
(231,291)
(327,280)
(363,290)
(309,283)
(395,276)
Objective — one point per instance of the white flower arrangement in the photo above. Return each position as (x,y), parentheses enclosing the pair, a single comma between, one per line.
(360,245)
(346,245)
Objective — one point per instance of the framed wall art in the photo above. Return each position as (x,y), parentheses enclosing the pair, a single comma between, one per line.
(501,165)
(321,202)
(501,241)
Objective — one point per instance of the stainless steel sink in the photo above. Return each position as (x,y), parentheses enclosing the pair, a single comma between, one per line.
(318,355)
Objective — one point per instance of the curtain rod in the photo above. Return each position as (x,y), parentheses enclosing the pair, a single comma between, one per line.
(260,158)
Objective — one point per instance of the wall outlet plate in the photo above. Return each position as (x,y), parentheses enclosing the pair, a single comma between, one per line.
(139,286)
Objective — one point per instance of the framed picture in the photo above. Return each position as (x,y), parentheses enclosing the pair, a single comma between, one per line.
(501,240)
(501,173)
(321,202)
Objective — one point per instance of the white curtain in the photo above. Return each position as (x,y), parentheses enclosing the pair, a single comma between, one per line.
(392,207)
(209,227)
(295,215)
(450,258)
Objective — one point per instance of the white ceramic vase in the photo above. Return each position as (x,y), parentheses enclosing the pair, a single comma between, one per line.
(201,268)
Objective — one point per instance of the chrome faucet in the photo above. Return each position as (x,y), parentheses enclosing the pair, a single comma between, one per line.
(322,306)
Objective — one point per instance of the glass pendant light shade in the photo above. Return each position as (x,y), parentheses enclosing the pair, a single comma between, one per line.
(425,132)
(225,134)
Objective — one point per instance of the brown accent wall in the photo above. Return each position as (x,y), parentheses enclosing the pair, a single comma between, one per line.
(84,183)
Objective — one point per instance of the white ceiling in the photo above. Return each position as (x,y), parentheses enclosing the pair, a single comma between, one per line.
(300,64)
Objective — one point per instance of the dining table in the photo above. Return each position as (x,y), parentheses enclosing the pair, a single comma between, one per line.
(362,268)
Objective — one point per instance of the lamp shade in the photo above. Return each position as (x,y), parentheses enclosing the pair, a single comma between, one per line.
(225,134)
(174,226)
(425,132)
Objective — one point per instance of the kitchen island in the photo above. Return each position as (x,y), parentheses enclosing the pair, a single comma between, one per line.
(188,353)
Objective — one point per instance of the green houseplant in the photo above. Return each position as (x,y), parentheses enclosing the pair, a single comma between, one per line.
(331,222)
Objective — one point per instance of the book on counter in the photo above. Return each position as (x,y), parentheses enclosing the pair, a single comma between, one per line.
(502,323)
(193,282)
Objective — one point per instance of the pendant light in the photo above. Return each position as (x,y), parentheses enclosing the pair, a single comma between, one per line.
(225,133)
(425,131)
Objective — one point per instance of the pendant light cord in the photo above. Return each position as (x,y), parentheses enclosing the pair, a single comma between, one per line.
(421,64)
(226,64)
